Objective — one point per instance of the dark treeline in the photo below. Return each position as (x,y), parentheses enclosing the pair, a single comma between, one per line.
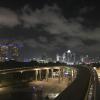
(14,64)
(95,65)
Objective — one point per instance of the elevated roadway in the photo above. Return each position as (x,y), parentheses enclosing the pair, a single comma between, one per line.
(84,87)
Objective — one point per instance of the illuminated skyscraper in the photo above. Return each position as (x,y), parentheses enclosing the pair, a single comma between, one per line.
(64,57)
(14,52)
(70,57)
(3,52)
(8,52)
(57,58)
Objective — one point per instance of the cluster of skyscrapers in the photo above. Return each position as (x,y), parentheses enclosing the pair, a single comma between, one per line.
(8,52)
(67,57)
(71,58)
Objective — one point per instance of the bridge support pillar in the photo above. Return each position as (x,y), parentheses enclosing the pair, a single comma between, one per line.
(59,77)
(36,74)
(62,73)
(47,74)
(40,74)
(52,72)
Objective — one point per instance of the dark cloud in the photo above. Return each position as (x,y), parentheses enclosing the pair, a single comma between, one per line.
(48,30)
(8,18)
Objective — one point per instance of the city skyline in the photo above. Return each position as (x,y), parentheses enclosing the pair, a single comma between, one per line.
(51,27)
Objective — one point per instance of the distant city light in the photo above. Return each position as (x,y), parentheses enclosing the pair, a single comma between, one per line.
(68,51)
(94,68)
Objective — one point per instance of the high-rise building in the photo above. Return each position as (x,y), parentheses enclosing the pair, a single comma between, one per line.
(64,57)
(57,58)
(86,59)
(8,52)
(3,52)
(14,52)
(70,57)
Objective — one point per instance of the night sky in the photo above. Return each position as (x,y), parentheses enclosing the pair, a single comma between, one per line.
(51,26)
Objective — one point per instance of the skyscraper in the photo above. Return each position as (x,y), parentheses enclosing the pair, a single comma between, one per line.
(8,52)
(3,52)
(57,58)
(14,52)
(64,57)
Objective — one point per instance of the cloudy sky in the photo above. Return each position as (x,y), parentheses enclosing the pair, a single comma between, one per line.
(51,26)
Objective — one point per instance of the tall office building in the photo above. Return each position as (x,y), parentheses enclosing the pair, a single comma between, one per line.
(8,52)
(64,57)
(3,52)
(86,59)
(14,52)
(57,58)
(70,57)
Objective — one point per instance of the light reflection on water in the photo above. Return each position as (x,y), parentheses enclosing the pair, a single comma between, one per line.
(25,93)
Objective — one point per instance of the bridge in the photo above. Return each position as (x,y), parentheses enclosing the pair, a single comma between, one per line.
(84,87)
(49,71)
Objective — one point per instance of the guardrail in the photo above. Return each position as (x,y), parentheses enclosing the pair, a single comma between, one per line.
(97,91)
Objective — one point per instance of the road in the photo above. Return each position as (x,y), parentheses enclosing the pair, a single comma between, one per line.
(78,90)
